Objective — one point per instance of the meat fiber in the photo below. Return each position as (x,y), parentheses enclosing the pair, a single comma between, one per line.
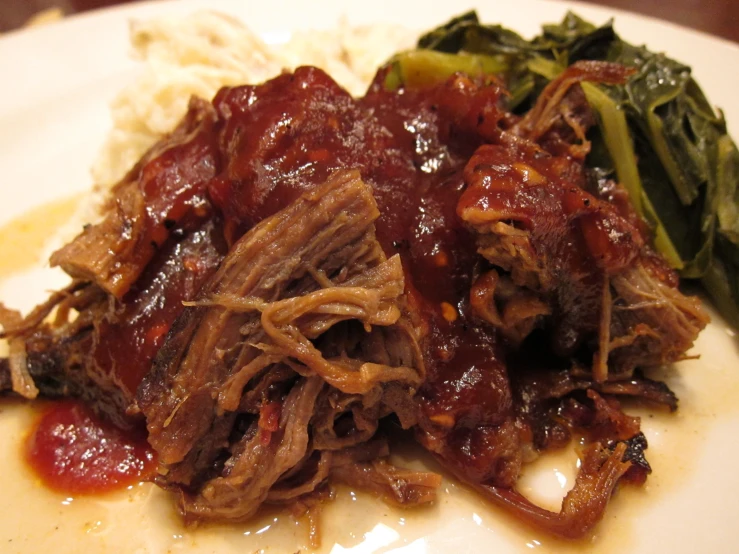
(305,268)
(564,255)
(225,437)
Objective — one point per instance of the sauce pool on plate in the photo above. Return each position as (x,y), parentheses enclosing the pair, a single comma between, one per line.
(73,451)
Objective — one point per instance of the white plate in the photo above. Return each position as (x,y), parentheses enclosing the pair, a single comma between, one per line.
(57,83)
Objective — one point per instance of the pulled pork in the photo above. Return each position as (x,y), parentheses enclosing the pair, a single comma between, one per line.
(234,391)
(292,269)
(566,255)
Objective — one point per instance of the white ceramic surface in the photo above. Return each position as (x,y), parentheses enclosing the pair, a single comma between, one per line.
(57,82)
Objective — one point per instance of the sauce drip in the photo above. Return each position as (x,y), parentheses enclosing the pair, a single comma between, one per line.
(23,239)
(74,452)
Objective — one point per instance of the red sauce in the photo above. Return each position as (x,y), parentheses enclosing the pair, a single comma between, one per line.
(73,451)
(130,338)
(281,138)
(577,236)
(421,152)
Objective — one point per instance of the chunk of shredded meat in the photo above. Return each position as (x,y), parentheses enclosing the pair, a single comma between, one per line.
(291,270)
(163,189)
(564,257)
(293,277)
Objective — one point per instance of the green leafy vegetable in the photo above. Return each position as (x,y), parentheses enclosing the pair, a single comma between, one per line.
(418,68)
(658,132)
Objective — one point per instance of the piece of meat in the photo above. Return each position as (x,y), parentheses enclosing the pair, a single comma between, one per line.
(568,261)
(554,406)
(19,379)
(97,348)
(574,260)
(166,186)
(129,336)
(309,269)
(57,352)
(561,116)
(553,250)
(652,322)
(583,506)
(545,410)
(284,137)
(536,222)
(275,377)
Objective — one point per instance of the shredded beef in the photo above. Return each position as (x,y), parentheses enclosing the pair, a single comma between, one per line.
(566,259)
(165,187)
(301,266)
(298,274)
(84,344)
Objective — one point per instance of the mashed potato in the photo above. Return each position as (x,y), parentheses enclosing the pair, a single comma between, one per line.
(199,54)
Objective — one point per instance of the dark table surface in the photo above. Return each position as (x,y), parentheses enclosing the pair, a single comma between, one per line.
(717,17)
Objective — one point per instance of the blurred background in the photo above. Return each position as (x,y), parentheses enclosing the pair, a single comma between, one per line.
(716,17)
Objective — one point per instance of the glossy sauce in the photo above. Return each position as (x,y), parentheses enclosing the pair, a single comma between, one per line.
(73,451)
(417,194)
(286,136)
(130,338)
(39,519)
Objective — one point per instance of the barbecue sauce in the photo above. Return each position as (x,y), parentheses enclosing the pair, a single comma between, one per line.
(288,135)
(75,452)
(278,140)
(131,337)
(285,137)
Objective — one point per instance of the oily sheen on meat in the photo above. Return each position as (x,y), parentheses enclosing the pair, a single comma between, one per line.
(296,270)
